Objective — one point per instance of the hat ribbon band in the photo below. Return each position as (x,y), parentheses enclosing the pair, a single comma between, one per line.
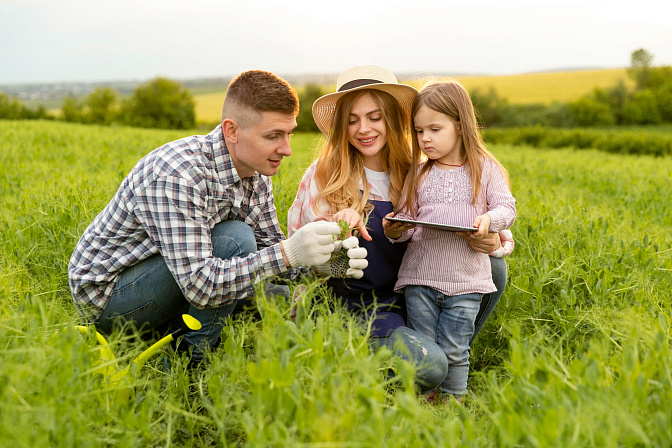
(358,83)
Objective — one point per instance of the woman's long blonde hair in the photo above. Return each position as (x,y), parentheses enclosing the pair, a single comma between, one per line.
(451,99)
(340,167)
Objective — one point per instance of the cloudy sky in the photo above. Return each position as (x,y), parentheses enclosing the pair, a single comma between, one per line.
(94,40)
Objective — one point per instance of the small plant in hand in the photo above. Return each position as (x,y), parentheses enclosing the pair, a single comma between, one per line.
(339,259)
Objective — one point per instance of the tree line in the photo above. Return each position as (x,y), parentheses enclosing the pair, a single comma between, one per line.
(164,103)
(648,102)
(161,103)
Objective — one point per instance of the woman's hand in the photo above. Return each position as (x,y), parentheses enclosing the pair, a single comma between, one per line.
(393,230)
(486,245)
(354,221)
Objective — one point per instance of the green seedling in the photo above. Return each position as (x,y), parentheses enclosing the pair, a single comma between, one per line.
(123,379)
(339,258)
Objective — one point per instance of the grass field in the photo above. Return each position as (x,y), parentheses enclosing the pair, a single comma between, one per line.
(519,89)
(577,352)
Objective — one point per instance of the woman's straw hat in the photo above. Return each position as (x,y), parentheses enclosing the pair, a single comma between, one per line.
(358,78)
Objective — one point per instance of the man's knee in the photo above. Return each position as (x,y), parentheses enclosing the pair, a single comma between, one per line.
(233,239)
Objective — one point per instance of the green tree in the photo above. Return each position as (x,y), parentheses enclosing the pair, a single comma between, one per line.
(100,106)
(664,99)
(642,109)
(10,108)
(659,76)
(307,96)
(72,110)
(488,106)
(161,103)
(615,98)
(589,111)
(640,68)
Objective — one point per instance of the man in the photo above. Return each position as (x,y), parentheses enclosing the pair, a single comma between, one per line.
(193,226)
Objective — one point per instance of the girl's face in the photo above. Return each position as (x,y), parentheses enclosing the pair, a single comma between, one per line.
(439,136)
(367,130)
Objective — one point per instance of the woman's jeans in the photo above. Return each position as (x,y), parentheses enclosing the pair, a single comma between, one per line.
(431,365)
(489,301)
(147,295)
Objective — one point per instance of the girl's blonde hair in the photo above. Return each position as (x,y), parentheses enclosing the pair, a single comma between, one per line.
(451,99)
(340,167)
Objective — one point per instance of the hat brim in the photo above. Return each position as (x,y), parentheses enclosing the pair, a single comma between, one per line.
(325,106)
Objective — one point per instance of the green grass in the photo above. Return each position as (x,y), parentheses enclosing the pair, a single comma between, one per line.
(576,354)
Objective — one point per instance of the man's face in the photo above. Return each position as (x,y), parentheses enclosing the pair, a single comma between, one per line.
(262,145)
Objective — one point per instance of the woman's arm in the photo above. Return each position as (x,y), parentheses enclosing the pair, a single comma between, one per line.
(506,238)
(494,244)
(302,212)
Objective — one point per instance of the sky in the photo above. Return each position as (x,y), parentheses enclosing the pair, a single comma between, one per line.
(118,40)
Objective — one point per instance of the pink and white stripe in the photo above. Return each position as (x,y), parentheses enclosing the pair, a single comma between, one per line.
(440,259)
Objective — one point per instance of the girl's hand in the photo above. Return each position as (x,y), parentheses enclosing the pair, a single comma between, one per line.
(393,230)
(482,222)
(490,243)
(354,220)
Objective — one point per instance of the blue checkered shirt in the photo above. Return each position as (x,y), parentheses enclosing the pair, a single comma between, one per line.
(167,205)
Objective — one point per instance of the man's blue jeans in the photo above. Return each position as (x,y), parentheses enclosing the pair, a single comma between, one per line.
(147,295)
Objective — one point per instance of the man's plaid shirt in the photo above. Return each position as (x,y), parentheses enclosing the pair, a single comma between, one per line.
(167,204)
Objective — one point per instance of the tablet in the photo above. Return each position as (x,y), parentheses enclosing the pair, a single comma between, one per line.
(432,225)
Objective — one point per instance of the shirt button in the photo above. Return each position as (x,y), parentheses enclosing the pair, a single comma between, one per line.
(450,190)
(450,199)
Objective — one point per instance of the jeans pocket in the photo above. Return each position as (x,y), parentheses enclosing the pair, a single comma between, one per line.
(148,315)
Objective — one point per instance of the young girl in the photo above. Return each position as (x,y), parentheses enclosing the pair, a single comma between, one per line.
(460,183)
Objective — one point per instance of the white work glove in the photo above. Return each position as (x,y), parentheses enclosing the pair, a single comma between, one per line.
(312,244)
(347,261)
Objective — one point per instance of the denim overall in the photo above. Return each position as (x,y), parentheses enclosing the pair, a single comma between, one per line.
(377,284)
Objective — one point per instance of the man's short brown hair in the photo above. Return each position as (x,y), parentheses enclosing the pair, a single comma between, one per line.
(259,91)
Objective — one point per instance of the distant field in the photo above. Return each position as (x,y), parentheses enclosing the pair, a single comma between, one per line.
(519,89)
(209,107)
(547,87)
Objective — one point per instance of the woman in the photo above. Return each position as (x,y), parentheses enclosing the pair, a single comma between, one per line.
(357,177)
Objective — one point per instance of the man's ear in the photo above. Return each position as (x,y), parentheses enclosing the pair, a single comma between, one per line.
(230,130)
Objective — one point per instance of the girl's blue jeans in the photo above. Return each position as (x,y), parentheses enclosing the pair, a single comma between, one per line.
(148,296)
(450,321)
(428,358)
